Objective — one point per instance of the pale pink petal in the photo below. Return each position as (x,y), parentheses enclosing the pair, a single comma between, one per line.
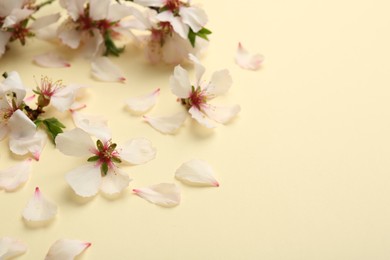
(44,21)
(11,247)
(196,172)
(6,7)
(114,182)
(29,144)
(74,7)
(66,249)
(117,12)
(201,118)
(167,124)
(14,84)
(176,22)
(39,208)
(246,60)
(163,194)
(92,124)
(85,180)
(175,49)
(147,3)
(51,60)
(98,9)
(4,39)
(180,83)
(16,16)
(75,142)
(68,34)
(103,69)
(220,83)
(137,151)
(142,104)
(199,68)
(221,114)
(195,17)
(93,44)
(20,125)
(13,177)
(64,98)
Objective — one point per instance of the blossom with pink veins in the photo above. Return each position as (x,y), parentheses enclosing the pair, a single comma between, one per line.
(101,171)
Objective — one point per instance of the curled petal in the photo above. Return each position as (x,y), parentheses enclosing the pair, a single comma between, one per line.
(220,83)
(221,114)
(103,69)
(21,126)
(66,249)
(92,124)
(180,83)
(195,17)
(51,60)
(39,208)
(137,151)
(13,177)
(177,24)
(163,194)
(14,84)
(144,103)
(201,118)
(246,60)
(29,144)
(44,21)
(196,172)
(114,182)
(85,180)
(168,124)
(11,247)
(75,142)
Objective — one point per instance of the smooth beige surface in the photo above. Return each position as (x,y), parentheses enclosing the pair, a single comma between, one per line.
(304,169)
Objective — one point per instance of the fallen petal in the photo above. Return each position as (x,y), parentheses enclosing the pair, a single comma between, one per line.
(66,249)
(92,124)
(11,247)
(137,151)
(39,208)
(142,104)
(163,194)
(196,172)
(51,60)
(246,60)
(13,177)
(103,69)
(167,124)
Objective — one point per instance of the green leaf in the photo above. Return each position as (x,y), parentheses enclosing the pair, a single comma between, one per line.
(202,33)
(52,125)
(93,158)
(104,168)
(191,37)
(111,48)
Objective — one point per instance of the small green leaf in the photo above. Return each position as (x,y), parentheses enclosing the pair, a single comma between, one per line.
(202,33)
(191,37)
(104,169)
(111,48)
(52,125)
(93,158)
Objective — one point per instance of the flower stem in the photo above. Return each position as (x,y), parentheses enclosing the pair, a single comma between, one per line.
(47,2)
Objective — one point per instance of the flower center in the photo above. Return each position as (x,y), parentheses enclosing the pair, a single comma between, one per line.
(105,155)
(197,98)
(173,5)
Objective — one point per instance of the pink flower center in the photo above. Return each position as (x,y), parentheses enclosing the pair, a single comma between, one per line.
(196,98)
(173,5)
(86,23)
(48,88)
(105,155)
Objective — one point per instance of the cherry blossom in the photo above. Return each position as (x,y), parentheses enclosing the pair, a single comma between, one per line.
(11,247)
(66,249)
(101,170)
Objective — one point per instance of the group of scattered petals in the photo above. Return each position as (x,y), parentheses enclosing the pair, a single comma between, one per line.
(62,249)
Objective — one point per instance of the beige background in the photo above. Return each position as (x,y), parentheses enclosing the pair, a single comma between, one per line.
(304,169)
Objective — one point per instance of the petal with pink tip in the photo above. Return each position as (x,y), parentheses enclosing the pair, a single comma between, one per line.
(92,124)
(75,142)
(11,247)
(137,151)
(197,173)
(201,118)
(104,70)
(114,182)
(167,124)
(39,208)
(44,21)
(13,177)
(163,194)
(66,249)
(220,83)
(180,83)
(51,60)
(142,104)
(85,180)
(221,114)
(246,60)
(29,144)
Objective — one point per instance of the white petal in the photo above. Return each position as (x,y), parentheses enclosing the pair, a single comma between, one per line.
(199,68)
(21,126)
(29,144)
(13,177)
(85,180)
(147,3)
(16,16)
(4,38)
(68,34)
(103,69)
(51,60)
(92,124)
(66,249)
(220,83)
(180,83)
(221,114)
(39,208)
(75,142)
(163,194)
(117,12)
(6,7)
(143,103)
(98,9)
(93,44)
(201,118)
(74,7)
(14,84)
(64,97)
(44,21)
(246,60)
(176,22)
(168,124)
(196,172)
(137,151)
(175,49)
(11,247)
(195,17)
(114,182)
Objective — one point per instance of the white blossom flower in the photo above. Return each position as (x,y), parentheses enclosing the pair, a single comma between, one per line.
(66,249)
(102,168)
(11,247)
